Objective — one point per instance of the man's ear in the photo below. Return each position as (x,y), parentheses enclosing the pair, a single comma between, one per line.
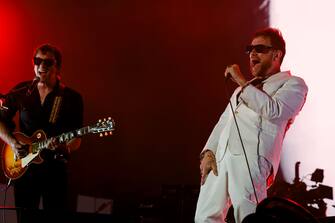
(277,55)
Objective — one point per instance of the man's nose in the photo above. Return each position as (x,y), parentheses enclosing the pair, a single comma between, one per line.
(253,52)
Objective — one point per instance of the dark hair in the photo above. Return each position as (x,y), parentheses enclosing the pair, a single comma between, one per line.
(48,48)
(276,38)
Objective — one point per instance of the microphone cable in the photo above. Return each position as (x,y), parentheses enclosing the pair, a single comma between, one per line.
(240,137)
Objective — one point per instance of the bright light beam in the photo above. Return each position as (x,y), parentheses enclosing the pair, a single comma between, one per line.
(307,26)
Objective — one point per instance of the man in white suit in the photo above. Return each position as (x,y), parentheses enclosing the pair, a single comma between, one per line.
(264,108)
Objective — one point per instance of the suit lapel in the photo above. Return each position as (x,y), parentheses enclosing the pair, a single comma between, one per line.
(269,86)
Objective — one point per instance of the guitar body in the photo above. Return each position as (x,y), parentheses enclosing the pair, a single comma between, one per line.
(14,167)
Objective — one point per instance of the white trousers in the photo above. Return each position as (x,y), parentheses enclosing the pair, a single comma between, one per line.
(232,186)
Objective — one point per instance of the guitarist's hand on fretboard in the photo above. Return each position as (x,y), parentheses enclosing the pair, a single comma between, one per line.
(60,148)
(52,143)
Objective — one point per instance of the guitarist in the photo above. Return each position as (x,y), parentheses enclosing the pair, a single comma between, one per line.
(44,104)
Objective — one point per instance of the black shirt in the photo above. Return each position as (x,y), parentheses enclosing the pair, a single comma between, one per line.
(35,116)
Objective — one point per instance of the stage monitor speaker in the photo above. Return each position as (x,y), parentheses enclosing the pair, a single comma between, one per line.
(280,210)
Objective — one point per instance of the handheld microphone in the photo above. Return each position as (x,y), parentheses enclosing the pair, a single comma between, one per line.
(227,72)
(228,76)
(32,86)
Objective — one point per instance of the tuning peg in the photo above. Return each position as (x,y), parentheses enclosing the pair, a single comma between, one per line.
(110,133)
(106,133)
(99,120)
(101,135)
(104,119)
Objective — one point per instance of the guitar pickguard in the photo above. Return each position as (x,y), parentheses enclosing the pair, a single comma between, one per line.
(28,159)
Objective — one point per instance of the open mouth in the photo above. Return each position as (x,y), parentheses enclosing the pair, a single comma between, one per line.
(254,62)
(42,72)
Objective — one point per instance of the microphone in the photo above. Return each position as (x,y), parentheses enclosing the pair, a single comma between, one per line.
(32,86)
(228,76)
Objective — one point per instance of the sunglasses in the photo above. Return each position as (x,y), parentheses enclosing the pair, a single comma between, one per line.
(47,62)
(258,48)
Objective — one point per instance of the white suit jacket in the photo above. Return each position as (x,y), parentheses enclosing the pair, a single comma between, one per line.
(263,116)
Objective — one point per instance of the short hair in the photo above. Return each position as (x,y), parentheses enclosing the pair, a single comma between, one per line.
(276,38)
(48,48)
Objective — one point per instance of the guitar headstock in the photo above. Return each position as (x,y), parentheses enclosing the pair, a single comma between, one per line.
(104,127)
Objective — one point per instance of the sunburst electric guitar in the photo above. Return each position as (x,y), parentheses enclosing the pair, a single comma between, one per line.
(15,167)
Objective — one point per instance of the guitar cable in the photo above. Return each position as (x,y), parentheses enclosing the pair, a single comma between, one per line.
(4,200)
(240,137)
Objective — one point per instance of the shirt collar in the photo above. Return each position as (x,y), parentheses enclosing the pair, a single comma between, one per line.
(279,75)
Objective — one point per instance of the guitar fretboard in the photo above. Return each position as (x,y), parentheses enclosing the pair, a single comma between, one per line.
(72,134)
(62,138)
(100,127)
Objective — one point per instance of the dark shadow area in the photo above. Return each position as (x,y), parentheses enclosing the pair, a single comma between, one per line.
(311,197)
(279,210)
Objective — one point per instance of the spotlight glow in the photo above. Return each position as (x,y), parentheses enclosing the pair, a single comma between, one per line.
(308,28)
(10,44)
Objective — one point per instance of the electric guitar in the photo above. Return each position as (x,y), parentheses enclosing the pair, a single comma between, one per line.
(14,167)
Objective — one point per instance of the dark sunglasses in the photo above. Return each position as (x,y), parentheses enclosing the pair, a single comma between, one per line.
(47,62)
(258,48)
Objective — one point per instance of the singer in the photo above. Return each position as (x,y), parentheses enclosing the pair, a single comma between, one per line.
(264,108)
(43,104)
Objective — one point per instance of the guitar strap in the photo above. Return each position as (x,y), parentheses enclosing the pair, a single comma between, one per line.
(57,104)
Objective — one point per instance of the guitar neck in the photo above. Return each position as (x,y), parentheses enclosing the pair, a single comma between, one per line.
(62,138)
(107,125)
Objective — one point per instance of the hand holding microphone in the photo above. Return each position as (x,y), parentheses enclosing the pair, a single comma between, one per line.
(234,73)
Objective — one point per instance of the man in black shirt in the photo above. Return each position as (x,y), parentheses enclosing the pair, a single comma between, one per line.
(48,105)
